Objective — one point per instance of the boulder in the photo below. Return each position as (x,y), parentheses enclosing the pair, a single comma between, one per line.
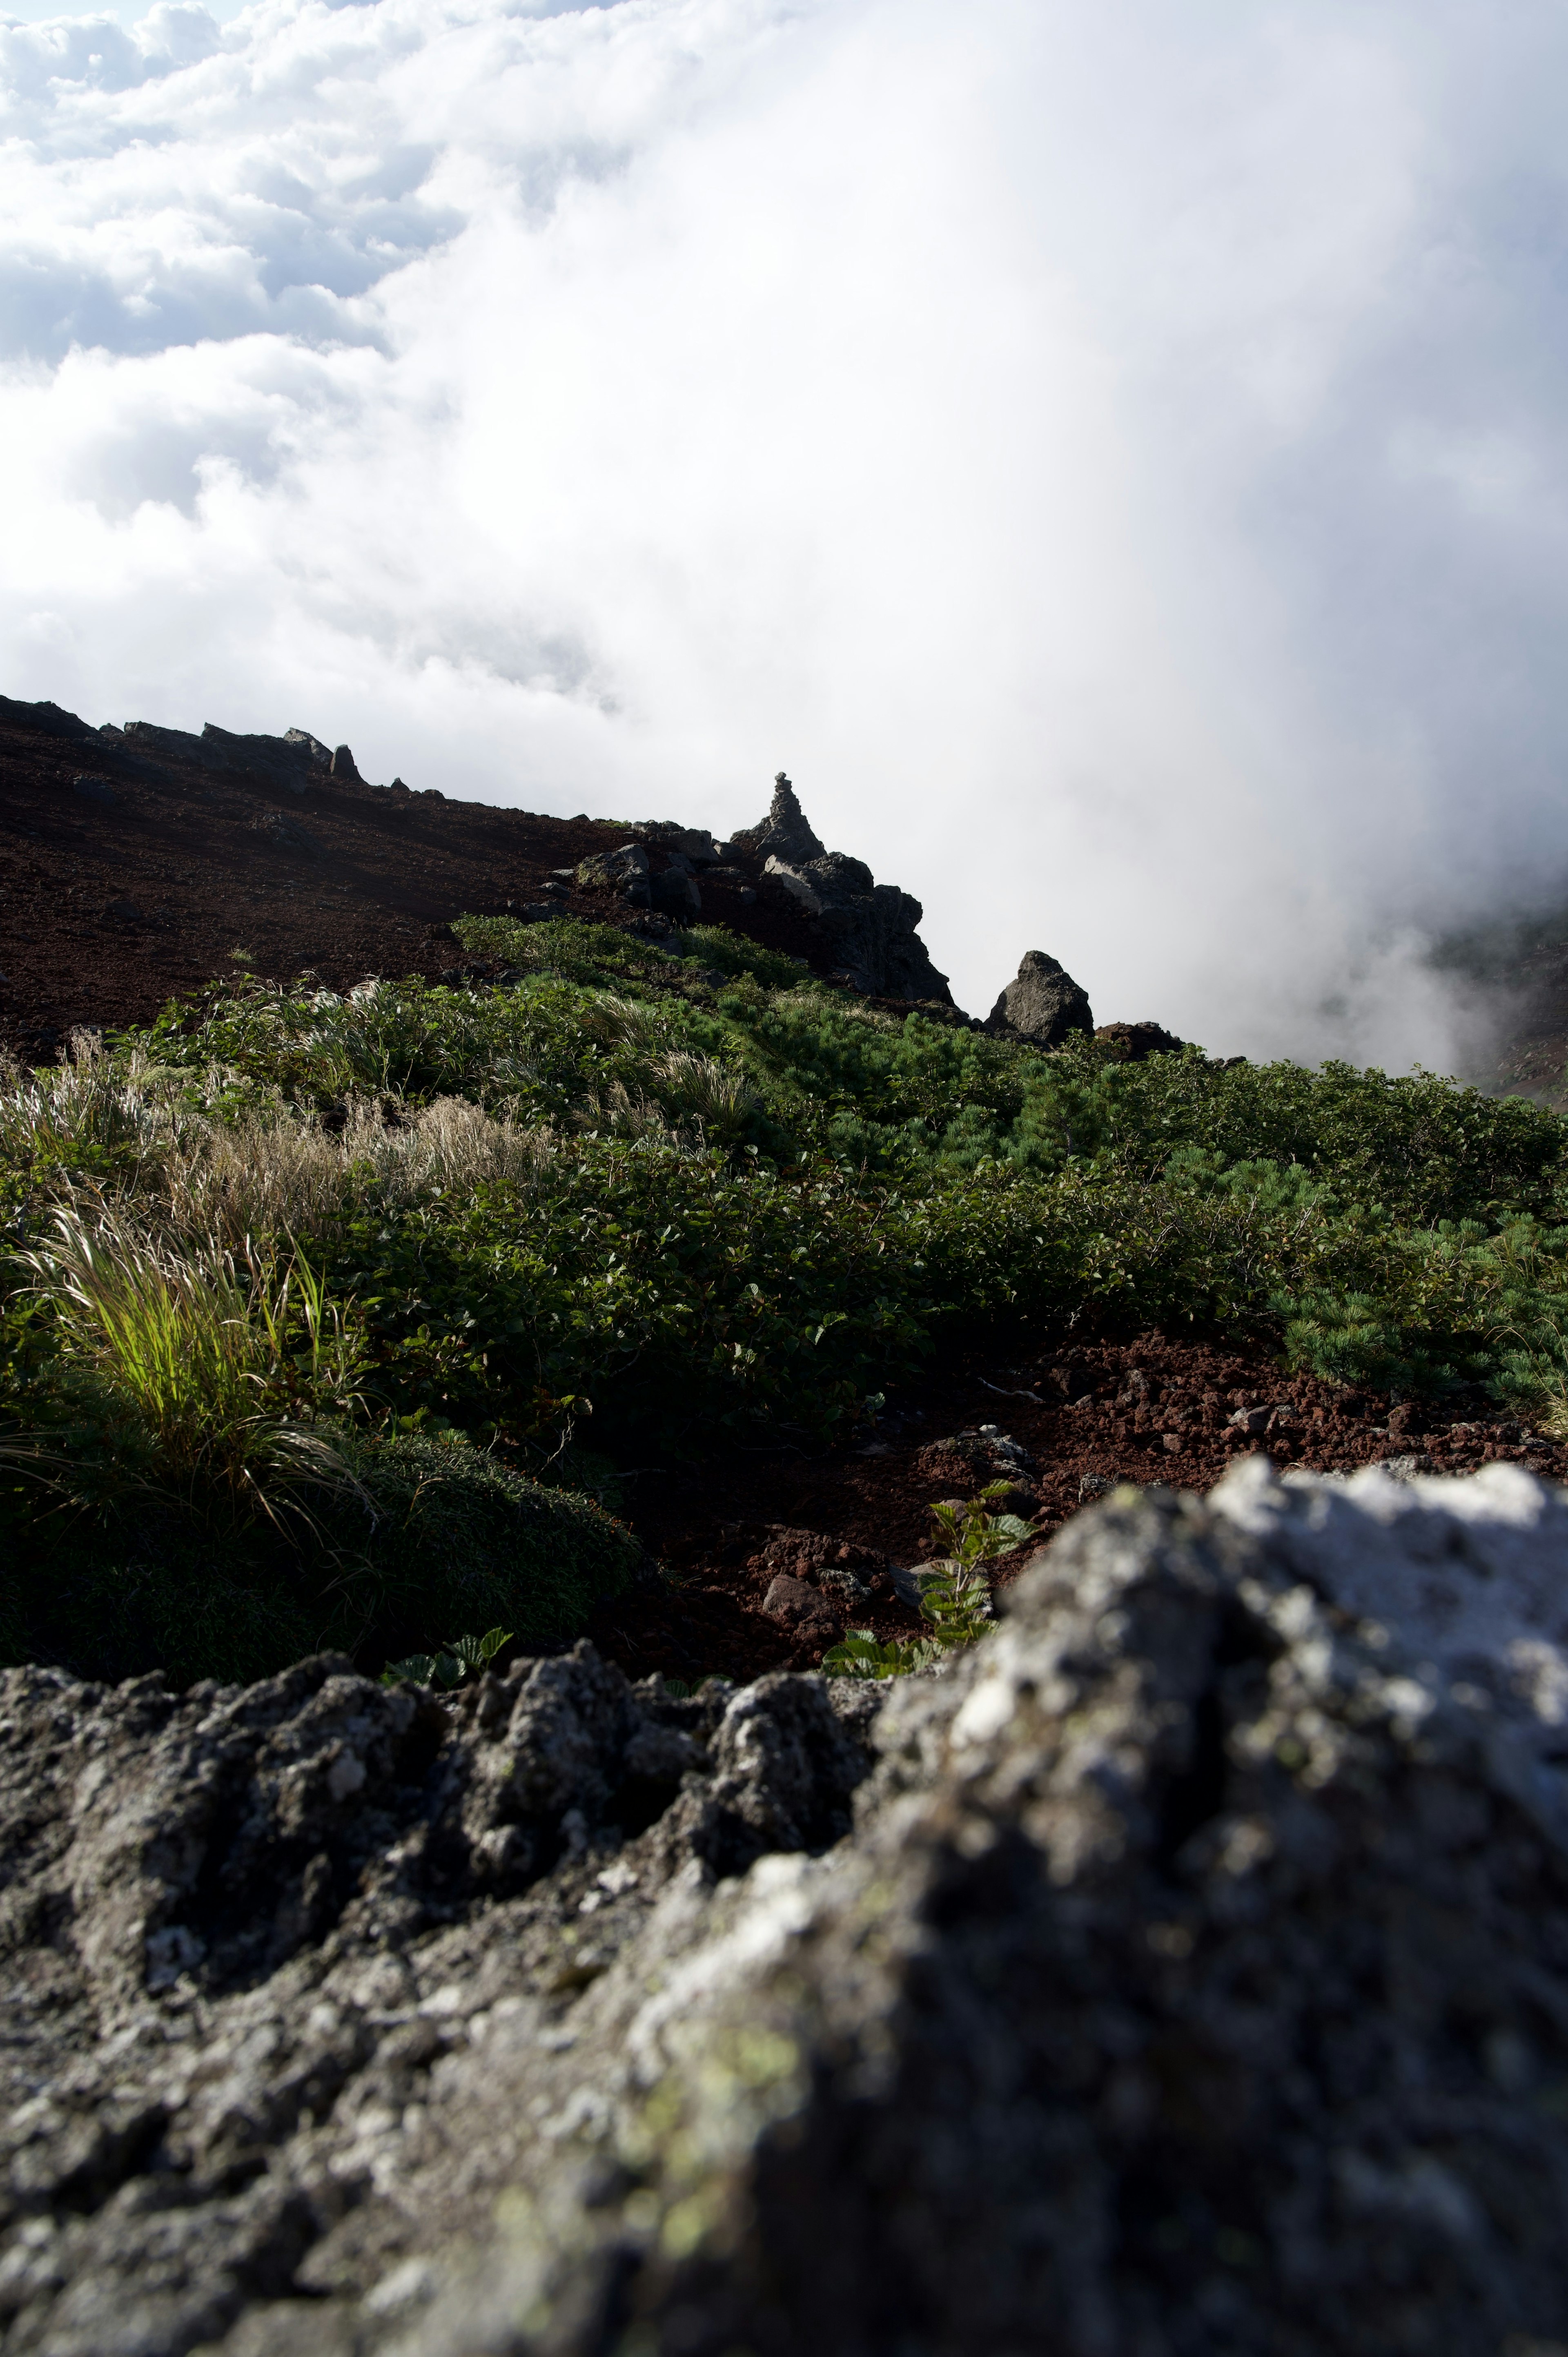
(1130,1043)
(1043,1007)
(625,870)
(286,832)
(677,893)
(1179,1971)
(692,843)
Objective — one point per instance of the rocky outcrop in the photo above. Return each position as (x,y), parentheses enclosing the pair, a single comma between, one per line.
(629,872)
(1044,1006)
(1191,1980)
(870,928)
(1132,1043)
(785,833)
(294,761)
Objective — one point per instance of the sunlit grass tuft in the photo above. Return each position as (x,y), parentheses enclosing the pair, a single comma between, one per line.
(210,1368)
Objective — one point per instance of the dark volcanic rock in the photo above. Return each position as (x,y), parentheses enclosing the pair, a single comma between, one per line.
(47,719)
(1190,1983)
(1130,1043)
(799,1606)
(1043,1007)
(870,928)
(785,833)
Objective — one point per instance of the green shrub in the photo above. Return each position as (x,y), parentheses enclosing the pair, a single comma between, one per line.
(461,1541)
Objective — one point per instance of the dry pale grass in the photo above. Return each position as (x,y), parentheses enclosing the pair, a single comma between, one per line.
(85,1104)
(282,1175)
(273,1172)
(689,1100)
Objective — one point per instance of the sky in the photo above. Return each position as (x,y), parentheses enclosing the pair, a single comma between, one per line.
(1110,455)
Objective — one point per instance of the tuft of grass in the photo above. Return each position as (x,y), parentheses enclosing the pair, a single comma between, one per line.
(208,1369)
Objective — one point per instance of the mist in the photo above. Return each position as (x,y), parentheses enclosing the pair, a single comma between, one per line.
(1111,457)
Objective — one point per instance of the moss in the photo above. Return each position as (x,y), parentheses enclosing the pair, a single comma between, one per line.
(460,1544)
(113,1598)
(463,1544)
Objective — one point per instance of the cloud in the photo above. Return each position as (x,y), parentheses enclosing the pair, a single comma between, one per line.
(1112,456)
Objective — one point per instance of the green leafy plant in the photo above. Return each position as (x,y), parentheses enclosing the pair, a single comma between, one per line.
(860,1655)
(955,1594)
(451,1665)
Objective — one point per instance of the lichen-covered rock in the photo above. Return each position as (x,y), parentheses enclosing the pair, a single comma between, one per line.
(1192,1979)
(245,1932)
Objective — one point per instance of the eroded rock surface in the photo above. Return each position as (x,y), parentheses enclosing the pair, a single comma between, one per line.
(1194,1980)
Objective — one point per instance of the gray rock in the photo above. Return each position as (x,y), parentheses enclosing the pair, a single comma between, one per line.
(286,832)
(870,928)
(343,764)
(677,893)
(627,870)
(95,789)
(785,833)
(1043,1007)
(249,1934)
(1185,1979)
(690,843)
(795,1604)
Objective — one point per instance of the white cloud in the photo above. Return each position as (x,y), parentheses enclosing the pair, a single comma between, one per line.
(1112,456)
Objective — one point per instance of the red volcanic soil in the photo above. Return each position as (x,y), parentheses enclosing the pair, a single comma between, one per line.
(133,863)
(1143,1411)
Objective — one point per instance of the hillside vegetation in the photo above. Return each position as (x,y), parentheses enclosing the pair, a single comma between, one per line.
(307,1289)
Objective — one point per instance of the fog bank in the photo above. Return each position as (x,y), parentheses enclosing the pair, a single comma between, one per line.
(1111,456)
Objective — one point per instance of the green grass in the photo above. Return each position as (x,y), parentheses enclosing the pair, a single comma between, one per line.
(659,1201)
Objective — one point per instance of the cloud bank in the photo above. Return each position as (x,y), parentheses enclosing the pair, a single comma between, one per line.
(1112,456)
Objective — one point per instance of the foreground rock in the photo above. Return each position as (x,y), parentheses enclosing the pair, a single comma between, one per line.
(1193,1980)
(1042,1006)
